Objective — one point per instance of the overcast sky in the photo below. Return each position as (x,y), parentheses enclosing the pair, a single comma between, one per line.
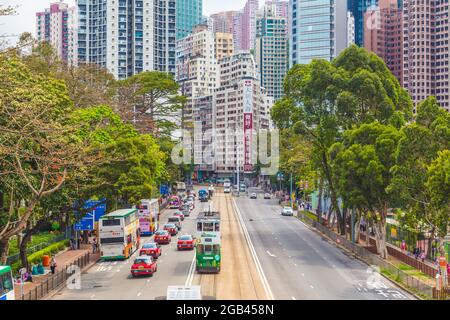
(25,19)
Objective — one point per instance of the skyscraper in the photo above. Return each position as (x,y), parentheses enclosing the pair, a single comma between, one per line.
(383,34)
(271,53)
(57,25)
(426,50)
(223,21)
(127,36)
(318,29)
(244,26)
(189,14)
(358,8)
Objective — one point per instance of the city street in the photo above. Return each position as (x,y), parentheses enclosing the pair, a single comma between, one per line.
(300,264)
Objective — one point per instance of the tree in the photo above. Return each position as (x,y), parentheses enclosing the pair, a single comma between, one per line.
(419,146)
(150,101)
(323,98)
(362,165)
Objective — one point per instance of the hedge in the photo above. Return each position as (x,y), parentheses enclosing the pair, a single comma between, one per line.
(36,257)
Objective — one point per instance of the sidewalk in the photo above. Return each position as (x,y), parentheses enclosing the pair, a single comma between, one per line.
(63,260)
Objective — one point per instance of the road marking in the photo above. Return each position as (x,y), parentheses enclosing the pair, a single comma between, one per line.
(254,255)
(293,298)
(303,274)
(148,280)
(190,275)
(139,294)
(92,297)
(272,255)
(311,287)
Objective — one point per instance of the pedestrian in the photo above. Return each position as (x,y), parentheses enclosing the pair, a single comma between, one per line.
(94,245)
(53,265)
(423,255)
(403,246)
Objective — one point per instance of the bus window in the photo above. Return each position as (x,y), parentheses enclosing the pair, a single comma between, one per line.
(111,222)
(199,226)
(217,227)
(5,283)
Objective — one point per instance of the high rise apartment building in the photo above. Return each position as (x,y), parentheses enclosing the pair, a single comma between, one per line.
(223,21)
(244,26)
(383,34)
(57,25)
(127,36)
(358,8)
(188,15)
(317,29)
(271,53)
(224,45)
(426,50)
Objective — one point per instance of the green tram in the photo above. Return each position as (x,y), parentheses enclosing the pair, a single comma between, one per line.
(208,248)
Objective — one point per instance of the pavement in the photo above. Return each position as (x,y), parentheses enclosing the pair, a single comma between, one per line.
(300,264)
(63,259)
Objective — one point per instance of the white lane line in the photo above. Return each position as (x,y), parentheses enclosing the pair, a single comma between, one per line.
(270,254)
(303,274)
(148,281)
(311,287)
(293,298)
(139,294)
(254,255)
(190,275)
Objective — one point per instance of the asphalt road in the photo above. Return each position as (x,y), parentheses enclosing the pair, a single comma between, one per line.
(300,264)
(113,280)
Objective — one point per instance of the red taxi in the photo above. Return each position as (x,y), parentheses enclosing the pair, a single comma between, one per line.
(171,228)
(186,242)
(179,214)
(144,265)
(150,249)
(162,237)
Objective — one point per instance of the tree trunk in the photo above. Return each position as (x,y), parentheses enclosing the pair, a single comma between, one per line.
(23,248)
(380,238)
(343,223)
(4,248)
(357,227)
(319,203)
(430,243)
(367,233)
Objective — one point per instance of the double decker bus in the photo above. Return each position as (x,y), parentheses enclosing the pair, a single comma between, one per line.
(119,234)
(6,283)
(208,248)
(148,214)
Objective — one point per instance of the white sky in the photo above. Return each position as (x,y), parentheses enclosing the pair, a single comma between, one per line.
(25,19)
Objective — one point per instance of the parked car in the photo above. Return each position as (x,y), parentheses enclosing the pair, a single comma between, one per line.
(171,228)
(162,237)
(186,242)
(253,196)
(144,265)
(185,210)
(151,249)
(267,196)
(287,211)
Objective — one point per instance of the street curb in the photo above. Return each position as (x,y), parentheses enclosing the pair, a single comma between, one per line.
(354,255)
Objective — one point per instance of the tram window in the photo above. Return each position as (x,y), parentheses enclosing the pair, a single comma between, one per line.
(199,226)
(217,227)
(208,248)
(208,226)
(200,249)
(216,248)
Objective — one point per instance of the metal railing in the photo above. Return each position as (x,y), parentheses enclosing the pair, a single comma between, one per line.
(55,281)
(30,250)
(372,259)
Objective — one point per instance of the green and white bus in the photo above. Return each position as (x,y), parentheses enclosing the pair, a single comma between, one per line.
(6,283)
(208,249)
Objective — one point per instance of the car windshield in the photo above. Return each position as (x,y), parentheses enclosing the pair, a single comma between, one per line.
(287,208)
(143,260)
(149,245)
(161,233)
(185,237)
(169,226)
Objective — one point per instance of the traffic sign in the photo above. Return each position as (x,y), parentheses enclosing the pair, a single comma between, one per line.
(280,176)
(86,223)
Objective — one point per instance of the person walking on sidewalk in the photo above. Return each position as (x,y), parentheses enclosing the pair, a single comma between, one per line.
(423,255)
(53,265)
(94,245)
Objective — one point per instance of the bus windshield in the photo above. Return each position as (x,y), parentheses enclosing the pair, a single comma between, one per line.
(6,284)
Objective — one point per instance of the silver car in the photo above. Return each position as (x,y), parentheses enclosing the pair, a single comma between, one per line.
(287,211)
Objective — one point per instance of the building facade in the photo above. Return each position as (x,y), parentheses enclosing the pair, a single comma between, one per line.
(57,26)
(317,29)
(189,14)
(426,50)
(127,36)
(358,8)
(244,26)
(224,45)
(383,34)
(223,21)
(271,53)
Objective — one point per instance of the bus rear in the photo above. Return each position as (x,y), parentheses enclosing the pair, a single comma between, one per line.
(148,211)
(6,283)
(112,238)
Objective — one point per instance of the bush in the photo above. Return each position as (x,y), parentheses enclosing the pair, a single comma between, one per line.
(48,251)
(55,226)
